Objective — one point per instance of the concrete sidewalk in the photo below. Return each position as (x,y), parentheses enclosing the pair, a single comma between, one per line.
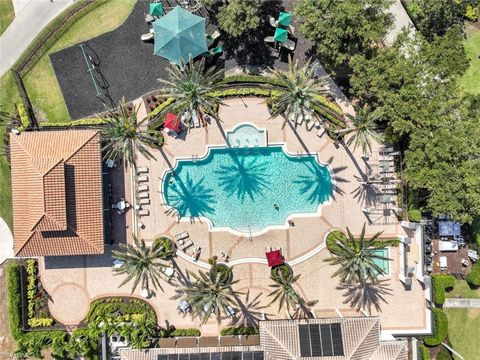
(29,21)
(6,242)
(462,303)
(401,21)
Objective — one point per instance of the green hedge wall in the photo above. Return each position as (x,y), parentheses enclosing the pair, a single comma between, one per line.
(14,300)
(440,283)
(185,332)
(81,122)
(423,352)
(473,277)
(240,330)
(440,328)
(245,78)
(24,119)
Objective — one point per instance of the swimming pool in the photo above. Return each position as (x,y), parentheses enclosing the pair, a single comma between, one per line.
(384,264)
(237,188)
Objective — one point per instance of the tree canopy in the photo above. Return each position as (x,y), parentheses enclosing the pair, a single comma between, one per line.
(238,16)
(341,29)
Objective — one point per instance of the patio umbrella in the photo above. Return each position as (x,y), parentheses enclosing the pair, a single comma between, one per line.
(171,122)
(280,35)
(156,9)
(179,35)
(284,19)
(274,258)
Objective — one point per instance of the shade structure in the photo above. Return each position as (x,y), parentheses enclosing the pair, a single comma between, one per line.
(274,258)
(156,9)
(179,35)
(280,35)
(284,18)
(171,122)
(448,228)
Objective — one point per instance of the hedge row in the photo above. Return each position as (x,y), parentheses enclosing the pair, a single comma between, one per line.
(440,328)
(118,305)
(240,330)
(473,277)
(14,301)
(81,122)
(441,282)
(423,352)
(185,332)
(24,119)
(258,79)
(337,235)
(160,108)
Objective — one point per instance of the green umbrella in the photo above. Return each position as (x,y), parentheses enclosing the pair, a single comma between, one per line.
(179,35)
(156,9)
(284,19)
(280,35)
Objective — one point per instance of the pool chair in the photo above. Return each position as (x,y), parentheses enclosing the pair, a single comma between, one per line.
(269,39)
(147,37)
(196,121)
(142,170)
(321,132)
(289,45)
(144,201)
(143,195)
(182,235)
(143,187)
(143,212)
(142,178)
(273,22)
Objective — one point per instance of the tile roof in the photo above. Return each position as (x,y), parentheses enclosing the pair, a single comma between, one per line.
(57,193)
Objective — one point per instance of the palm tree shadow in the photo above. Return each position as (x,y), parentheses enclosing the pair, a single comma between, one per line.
(365,193)
(304,310)
(366,297)
(191,197)
(246,176)
(336,178)
(317,183)
(250,311)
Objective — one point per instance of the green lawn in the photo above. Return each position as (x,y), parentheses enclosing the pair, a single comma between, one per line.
(464,331)
(6,14)
(41,83)
(461,288)
(470,81)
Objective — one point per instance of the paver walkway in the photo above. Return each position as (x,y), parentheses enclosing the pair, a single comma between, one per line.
(28,23)
(462,303)
(401,21)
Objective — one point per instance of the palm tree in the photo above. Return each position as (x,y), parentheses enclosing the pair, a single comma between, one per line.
(124,136)
(299,91)
(208,295)
(141,264)
(364,130)
(192,87)
(284,293)
(356,258)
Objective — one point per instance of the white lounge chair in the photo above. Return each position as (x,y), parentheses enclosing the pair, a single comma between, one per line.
(269,39)
(147,37)
(143,187)
(289,44)
(321,132)
(273,22)
(142,178)
(196,121)
(182,235)
(142,170)
(143,212)
(144,201)
(143,195)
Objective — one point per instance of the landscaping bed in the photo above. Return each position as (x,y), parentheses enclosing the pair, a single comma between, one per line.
(226,274)
(282,272)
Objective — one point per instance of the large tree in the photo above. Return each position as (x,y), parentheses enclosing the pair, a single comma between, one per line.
(355,258)
(341,29)
(142,264)
(237,17)
(124,135)
(192,87)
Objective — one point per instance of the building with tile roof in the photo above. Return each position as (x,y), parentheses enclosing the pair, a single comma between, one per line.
(57,193)
(338,338)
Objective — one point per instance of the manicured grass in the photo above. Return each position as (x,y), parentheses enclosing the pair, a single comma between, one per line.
(41,83)
(470,81)
(464,331)
(462,289)
(6,14)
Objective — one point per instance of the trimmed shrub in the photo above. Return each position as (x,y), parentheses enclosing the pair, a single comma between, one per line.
(423,352)
(184,332)
(120,306)
(335,235)
(245,78)
(285,269)
(14,300)
(440,328)
(24,119)
(414,215)
(81,122)
(440,283)
(160,108)
(444,354)
(240,330)
(472,12)
(167,243)
(38,322)
(473,277)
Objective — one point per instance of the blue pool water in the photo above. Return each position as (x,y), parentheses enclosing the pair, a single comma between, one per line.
(237,187)
(384,264)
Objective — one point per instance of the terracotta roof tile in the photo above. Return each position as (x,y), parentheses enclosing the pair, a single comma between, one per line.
(57,193)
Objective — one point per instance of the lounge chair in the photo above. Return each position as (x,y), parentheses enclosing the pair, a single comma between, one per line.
(291,29)
(182,235)
(269,39)
(143,195)
(143,212)
(144,201)
(143,187)
(213,52)
(289,45)
(321,132)
(196,121)
(142,178)
(310,125)
(142,170)
(147,37)
(273,22)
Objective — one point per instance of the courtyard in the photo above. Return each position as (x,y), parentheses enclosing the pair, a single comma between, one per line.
(74,282)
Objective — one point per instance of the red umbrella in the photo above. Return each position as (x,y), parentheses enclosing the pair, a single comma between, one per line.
(171,122)
(274,258)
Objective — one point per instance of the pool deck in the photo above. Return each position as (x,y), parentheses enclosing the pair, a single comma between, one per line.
(302,245)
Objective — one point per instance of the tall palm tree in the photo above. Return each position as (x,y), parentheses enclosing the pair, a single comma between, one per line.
(142,264)
(363,131)
(356,258)
(192,87)
(208,295)
(124,136)
(299,91)
(284,293)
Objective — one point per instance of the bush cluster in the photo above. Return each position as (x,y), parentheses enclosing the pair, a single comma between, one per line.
(440,284)
(24,120)
(184,332)
(335,235)
(444,354)
(440,328)
(423,352)
(240,330)
(473,277)
(414,215)
(256,79)
(285,269)
(31,286)
(117,305)
(81,122)
(168,247)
